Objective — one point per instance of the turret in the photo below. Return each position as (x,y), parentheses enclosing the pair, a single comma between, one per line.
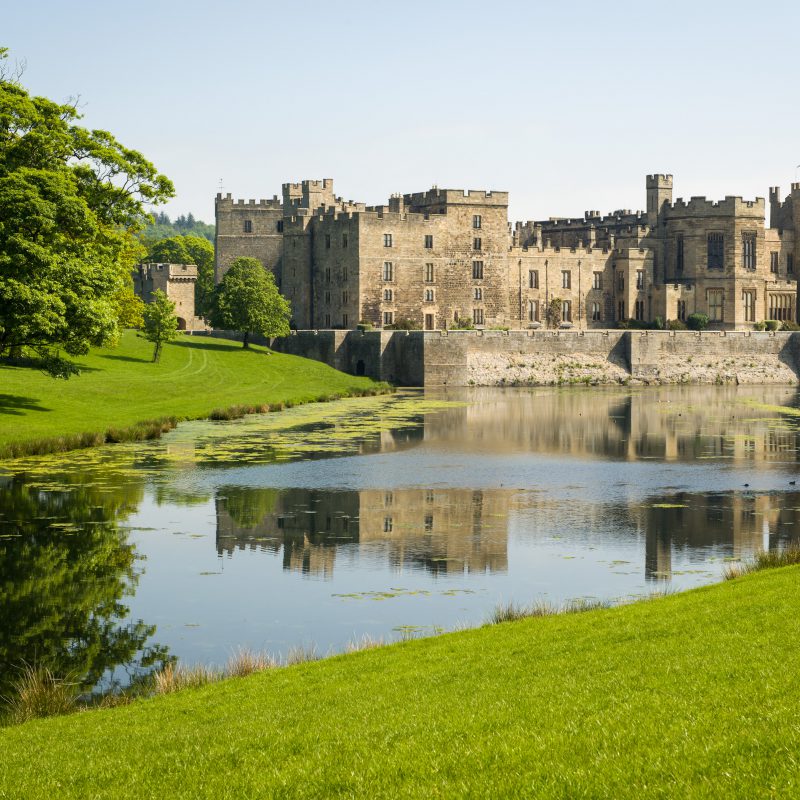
(659,194)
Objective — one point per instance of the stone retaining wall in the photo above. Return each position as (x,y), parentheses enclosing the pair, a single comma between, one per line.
(545,358)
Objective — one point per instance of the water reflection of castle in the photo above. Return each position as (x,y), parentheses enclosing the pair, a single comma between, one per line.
(438,530)
(675,423)
(453,531)
(744,522)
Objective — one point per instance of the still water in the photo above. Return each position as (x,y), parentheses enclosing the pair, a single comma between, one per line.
(384,516)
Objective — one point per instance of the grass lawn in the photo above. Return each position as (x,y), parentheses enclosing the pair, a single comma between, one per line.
(691,695)
(121,387)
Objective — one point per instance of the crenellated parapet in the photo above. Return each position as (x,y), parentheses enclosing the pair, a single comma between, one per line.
(731,206)
(460,197)
(227,202)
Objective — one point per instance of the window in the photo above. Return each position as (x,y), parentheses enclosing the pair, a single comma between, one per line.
(429,273)
(327,298)
(638,310)
(596,312)
(621,309)
(388,295)
(679,253)
(749,250)
(429,242)
(327,241)
(387,239)
(781,306)
(345,297)
(715,297)
(597,280)
(477,316)
(639,279)
(248,226)
(344,321)
(566,311)
(327,274)
(566,279)
(429,295)
(478,294)
(344,274)
(621,282)
(388,318)
(430,322)
(279,226)
(428,523)
(773,262)
(387,524)
(790,263)
(477,270)
(682,310)
(476,221)
(344,240)
(716,251)
(533,311)
(476,243)
(533,279)
(749,303)
(388,271)
(327,320)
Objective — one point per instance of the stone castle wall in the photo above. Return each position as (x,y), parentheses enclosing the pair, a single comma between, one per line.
(548,358)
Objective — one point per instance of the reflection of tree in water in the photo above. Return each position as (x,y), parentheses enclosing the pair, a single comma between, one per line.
(65,566)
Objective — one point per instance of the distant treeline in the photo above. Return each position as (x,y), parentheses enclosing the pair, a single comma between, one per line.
(163,227)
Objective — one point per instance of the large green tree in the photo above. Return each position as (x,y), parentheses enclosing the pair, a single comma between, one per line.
(71,203)
(189,250)
(247,300)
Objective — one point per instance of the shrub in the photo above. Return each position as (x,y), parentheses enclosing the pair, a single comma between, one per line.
(788,325)
(676,325)
(404,324)
(364,326)
(772,324)
(697,322)
(462,324)
(658,324)
(760,326)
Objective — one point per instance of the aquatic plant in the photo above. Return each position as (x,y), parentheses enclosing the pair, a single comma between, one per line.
(37,692)
(767,559)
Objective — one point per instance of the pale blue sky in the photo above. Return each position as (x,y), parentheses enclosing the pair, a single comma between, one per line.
(566,105)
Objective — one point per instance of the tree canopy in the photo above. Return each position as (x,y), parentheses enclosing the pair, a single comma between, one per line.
(189,250)
(71,203)
(162,227)
(247,300)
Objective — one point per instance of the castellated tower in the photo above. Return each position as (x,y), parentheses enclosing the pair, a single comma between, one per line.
(659,193)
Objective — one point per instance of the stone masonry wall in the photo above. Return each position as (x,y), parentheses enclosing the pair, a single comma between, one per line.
(555,358)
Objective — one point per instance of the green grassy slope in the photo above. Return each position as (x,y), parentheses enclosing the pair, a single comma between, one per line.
(120,387)
(692,695)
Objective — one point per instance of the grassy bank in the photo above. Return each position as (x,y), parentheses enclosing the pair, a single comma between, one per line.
(122,396)
(689,695)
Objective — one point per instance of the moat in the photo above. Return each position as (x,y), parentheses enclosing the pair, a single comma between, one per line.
(387,517)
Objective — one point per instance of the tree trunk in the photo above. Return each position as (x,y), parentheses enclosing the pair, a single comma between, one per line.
(245,339)
(157,352)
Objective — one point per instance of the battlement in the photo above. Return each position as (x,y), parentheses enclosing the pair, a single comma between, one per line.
(273,204)
(476,197)
(795,187)
(659,181)
(325,185)
(187,272)
(730,206)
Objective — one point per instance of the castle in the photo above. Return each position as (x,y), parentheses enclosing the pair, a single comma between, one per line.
(177,281)
(442,256)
